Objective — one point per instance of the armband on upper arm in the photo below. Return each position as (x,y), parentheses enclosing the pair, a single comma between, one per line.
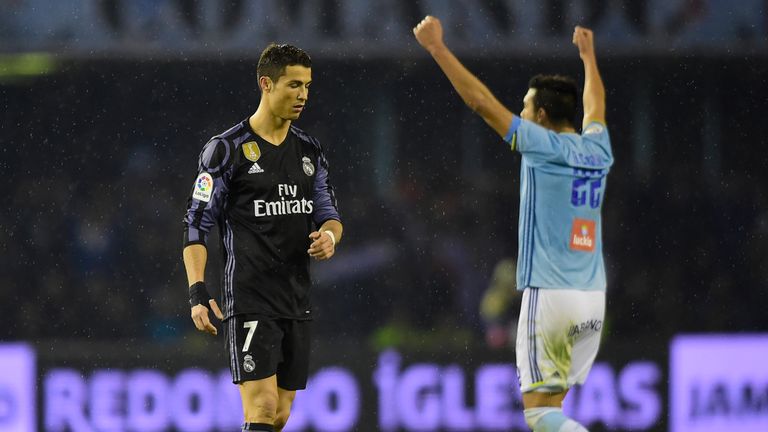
(511,136)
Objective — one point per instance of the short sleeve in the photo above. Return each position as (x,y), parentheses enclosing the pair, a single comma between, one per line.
(537,142)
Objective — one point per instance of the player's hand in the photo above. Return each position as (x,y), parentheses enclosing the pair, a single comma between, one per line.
(201,320)
(429,33)
(322,246)
(583,39)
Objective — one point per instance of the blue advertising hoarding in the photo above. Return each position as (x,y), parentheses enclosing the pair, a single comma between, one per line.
(716,382)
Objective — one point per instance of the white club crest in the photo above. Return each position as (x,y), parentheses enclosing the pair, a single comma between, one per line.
(306,163)
(248,363)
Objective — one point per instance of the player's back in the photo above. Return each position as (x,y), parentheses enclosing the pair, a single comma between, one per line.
(563,181)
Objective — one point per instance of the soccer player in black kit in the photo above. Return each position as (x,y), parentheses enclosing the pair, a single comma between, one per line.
(265,183)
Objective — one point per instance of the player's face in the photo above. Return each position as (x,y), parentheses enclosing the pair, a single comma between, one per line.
(288,96)
(529,112)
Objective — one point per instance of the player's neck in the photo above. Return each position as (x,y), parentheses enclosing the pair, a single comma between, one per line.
(559,128)
(565,129)
(271,128)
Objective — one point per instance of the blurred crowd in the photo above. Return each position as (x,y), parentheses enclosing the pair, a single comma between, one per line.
(99,158)
(351,26)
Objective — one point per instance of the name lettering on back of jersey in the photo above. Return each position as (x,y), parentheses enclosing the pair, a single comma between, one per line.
(583,235)
(203,187)
(588,159)
(288,203)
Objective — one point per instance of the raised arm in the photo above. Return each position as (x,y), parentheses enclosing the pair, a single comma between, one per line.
(429,33)
(594,91)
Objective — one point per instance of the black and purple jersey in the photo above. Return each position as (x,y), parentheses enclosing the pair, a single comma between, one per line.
(265,200)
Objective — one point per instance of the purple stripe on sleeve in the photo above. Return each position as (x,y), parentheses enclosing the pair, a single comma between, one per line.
(202,215)
(323,196)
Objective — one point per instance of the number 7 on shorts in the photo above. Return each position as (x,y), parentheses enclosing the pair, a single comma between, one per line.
(251,326)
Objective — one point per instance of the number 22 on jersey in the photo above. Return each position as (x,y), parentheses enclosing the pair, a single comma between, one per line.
(587,187)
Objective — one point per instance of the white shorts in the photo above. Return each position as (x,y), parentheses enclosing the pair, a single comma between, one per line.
(558,336)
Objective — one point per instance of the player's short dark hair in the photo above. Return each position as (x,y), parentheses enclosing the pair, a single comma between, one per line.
(275,58)
(557,94)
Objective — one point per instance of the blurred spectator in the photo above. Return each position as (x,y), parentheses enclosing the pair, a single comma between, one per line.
(351,27)
(689,11)
(148,19)
(500,304)
(9,20)
(634,11)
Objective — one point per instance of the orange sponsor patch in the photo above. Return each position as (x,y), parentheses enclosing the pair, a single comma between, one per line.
(583,235)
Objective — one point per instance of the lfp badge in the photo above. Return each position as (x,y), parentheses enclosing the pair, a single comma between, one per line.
(203,187)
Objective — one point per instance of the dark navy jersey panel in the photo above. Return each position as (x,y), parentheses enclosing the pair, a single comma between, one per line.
(266,200)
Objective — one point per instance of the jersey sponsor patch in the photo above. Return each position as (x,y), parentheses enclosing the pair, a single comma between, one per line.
(594,128)
(251,151)
(306,164)
(583,235)
(203,187)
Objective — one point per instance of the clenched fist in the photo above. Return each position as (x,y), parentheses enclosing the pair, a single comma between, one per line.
(429,33)
(583,39)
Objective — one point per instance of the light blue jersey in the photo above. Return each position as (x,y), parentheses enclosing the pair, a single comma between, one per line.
(562,186)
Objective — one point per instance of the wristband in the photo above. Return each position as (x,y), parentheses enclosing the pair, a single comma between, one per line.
(333,237)
(198,295)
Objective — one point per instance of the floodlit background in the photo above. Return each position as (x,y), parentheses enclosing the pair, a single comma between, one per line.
(105,105)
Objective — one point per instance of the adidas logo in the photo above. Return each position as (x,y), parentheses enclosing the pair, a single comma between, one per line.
(255,169)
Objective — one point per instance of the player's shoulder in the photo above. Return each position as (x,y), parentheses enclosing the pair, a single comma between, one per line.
(594,149)
(596,132)
(219,148)
(533,130)
(233,136)
(305,138)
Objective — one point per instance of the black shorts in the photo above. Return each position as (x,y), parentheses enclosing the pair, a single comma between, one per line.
(261,347)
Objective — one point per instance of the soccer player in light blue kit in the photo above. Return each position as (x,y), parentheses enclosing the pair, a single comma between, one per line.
(560,258)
